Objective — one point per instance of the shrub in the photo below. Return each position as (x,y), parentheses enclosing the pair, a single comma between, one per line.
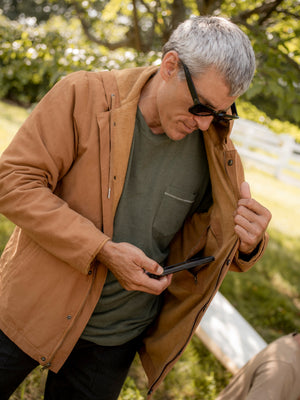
(34,57)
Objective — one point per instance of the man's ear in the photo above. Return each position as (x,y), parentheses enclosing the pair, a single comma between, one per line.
(169,65)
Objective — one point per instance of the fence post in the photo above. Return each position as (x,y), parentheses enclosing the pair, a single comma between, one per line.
(284,155)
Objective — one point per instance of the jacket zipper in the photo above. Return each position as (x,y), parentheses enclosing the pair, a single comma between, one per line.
(112,98)
(195,322)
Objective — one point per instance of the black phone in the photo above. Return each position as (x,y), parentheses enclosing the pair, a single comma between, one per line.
(191,263)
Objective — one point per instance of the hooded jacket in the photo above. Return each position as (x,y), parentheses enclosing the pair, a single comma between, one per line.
(60,182)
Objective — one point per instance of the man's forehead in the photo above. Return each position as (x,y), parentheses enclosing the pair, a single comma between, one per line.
(213,91)
(205,101)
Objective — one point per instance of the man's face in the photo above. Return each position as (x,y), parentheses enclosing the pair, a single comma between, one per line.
(174,100)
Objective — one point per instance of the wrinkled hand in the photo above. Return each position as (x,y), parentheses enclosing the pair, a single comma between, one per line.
(251,220)
(128,264)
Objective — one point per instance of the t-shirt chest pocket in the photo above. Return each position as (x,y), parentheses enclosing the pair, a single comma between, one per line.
(172,211)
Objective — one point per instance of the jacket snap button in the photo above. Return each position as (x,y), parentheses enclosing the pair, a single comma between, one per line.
(69,316)
(230,162)
(43,358)
(90,272)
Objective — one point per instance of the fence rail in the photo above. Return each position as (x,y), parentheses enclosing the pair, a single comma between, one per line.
(276,154)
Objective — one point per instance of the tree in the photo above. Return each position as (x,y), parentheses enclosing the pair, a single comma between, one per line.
(272,26)
(41,10)
(144,25)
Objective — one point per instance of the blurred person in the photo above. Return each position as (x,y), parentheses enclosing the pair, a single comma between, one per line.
(114,175)
(272,374)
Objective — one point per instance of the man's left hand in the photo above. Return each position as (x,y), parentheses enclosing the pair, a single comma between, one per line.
(251,220)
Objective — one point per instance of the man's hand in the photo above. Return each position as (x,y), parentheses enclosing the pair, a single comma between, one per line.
(128,264)
(251,220)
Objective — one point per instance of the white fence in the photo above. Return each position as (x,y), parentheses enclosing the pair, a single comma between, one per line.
(228,335)
(276,154)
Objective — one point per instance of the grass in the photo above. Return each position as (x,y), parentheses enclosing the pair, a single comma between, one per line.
(11,117)
(6,228)
(267,295)
(281,198)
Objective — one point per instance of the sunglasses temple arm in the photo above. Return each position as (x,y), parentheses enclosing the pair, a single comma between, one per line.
(190,84)
(234,110)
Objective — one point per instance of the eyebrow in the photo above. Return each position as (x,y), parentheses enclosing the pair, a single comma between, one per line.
(207,103)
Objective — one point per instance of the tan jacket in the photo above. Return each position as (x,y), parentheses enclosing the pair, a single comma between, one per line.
(273,374)
(60,182)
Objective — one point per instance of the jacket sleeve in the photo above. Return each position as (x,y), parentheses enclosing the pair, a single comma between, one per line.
(241,265)
(40,155)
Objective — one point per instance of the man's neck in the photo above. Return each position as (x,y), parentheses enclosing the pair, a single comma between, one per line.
(148,104)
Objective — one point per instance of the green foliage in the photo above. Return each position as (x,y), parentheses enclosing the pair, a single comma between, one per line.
(275,35)
(33,59)
(197,375)
(130,391)
(39,9)
(33,386)
(268,295)
(11,117)
(6,228)
(97,34)
(40,57)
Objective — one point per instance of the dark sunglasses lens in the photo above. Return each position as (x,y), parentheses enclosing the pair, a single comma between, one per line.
(200,110)
(226,117)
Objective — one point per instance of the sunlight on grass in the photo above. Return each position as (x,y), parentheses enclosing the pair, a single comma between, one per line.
(268,295)
(283,286)
(32,388)
(282,199)
(11,118)
(6,228)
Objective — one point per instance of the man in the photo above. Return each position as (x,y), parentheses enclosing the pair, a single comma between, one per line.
(114,175)
(273,374)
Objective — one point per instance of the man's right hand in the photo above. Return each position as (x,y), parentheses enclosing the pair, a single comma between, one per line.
(128,264)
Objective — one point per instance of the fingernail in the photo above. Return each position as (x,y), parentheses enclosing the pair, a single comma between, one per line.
(160,270)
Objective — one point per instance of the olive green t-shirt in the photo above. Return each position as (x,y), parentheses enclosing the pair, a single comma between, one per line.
(165,182)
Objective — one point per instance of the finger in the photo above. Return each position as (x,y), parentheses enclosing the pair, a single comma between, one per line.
(248,241)
(150,285)
(151,266)
(244,222)
(245,213)
(252,205)
(245,190)
(159,285)
(250,221)
(256,211)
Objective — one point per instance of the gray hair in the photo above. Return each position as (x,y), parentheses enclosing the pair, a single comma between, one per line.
(204,42)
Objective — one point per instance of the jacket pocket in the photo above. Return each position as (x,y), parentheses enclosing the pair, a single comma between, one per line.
(173,209)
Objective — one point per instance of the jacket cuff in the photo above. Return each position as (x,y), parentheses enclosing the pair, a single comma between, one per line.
(245,261)
(95,253)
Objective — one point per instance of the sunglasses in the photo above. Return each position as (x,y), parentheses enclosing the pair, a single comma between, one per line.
(200,109)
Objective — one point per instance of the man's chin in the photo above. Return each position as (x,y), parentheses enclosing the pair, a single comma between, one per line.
(177,136)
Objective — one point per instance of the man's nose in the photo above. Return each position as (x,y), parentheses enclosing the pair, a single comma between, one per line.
(203,123)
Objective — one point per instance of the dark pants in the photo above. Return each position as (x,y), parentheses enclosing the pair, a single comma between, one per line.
(91,372)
